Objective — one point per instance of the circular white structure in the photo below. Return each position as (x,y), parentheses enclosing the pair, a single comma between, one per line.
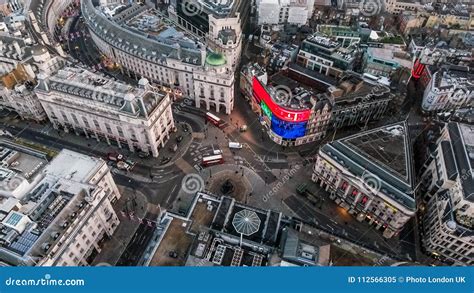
(246,222)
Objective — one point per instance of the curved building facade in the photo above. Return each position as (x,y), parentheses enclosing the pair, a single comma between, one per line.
(163,53)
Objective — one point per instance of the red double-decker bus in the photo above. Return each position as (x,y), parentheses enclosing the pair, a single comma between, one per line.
(214,119)
(212,160)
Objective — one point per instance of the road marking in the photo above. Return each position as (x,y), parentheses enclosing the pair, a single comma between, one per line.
(169,195)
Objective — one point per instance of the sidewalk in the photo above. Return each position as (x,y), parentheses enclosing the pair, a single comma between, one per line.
(116,245)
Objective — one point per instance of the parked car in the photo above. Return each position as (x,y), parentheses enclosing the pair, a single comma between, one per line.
(130,163)
(235,145)
(143,155)
(116,157)
(243,128)
(121,165)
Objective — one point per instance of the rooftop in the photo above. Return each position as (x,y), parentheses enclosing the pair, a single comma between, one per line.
(389,53)
(120,97)
(209,233)
(462,142)
(50,203)
(155,38)
(289,93)
(383,153)
(455,77)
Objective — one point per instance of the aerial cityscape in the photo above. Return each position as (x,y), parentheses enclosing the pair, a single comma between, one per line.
(236,133)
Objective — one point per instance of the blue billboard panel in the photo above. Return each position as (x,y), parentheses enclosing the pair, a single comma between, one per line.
(288,130)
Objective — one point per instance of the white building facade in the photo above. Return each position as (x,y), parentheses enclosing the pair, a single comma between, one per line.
(176,60)
(64,216)
(447,185)
(450,88)
(367,185)
(82,102)
(274,12)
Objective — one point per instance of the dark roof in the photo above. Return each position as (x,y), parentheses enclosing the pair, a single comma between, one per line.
(449,160)
(384,152)
(313,74)
(220,218)
(462,161)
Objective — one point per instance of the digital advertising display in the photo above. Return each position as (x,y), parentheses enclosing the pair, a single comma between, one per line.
(261,94)
(288,130)
(265,109)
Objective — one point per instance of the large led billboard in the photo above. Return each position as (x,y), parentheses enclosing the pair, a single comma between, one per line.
(290,115)
(288,130)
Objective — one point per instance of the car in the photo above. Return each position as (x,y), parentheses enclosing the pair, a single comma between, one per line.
(130,163)
(121,165)
(173,254)
(235,145)
(179,138)
(243,128)
(165,160)
(185,128)
(115,157)
(143,155)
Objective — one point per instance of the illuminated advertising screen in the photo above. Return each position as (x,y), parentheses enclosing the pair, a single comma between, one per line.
(261,94)
(288,130)
(265,109)
(417,70)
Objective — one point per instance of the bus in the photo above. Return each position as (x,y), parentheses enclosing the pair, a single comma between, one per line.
(214,119)
(235,145)
(212,160)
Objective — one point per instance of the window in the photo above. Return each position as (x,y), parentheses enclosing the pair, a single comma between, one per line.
(86,123)
(107,126)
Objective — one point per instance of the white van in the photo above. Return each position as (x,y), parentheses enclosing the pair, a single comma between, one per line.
(235,145)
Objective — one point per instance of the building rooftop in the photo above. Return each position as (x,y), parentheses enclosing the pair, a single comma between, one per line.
(391,54)
(215,59)
(451,77)
(352,88)
(220,8)
(117,96)
(13,48)
(289,93)
(155,38)
(39,216)
(210,234)
(383,153)
(462,142)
